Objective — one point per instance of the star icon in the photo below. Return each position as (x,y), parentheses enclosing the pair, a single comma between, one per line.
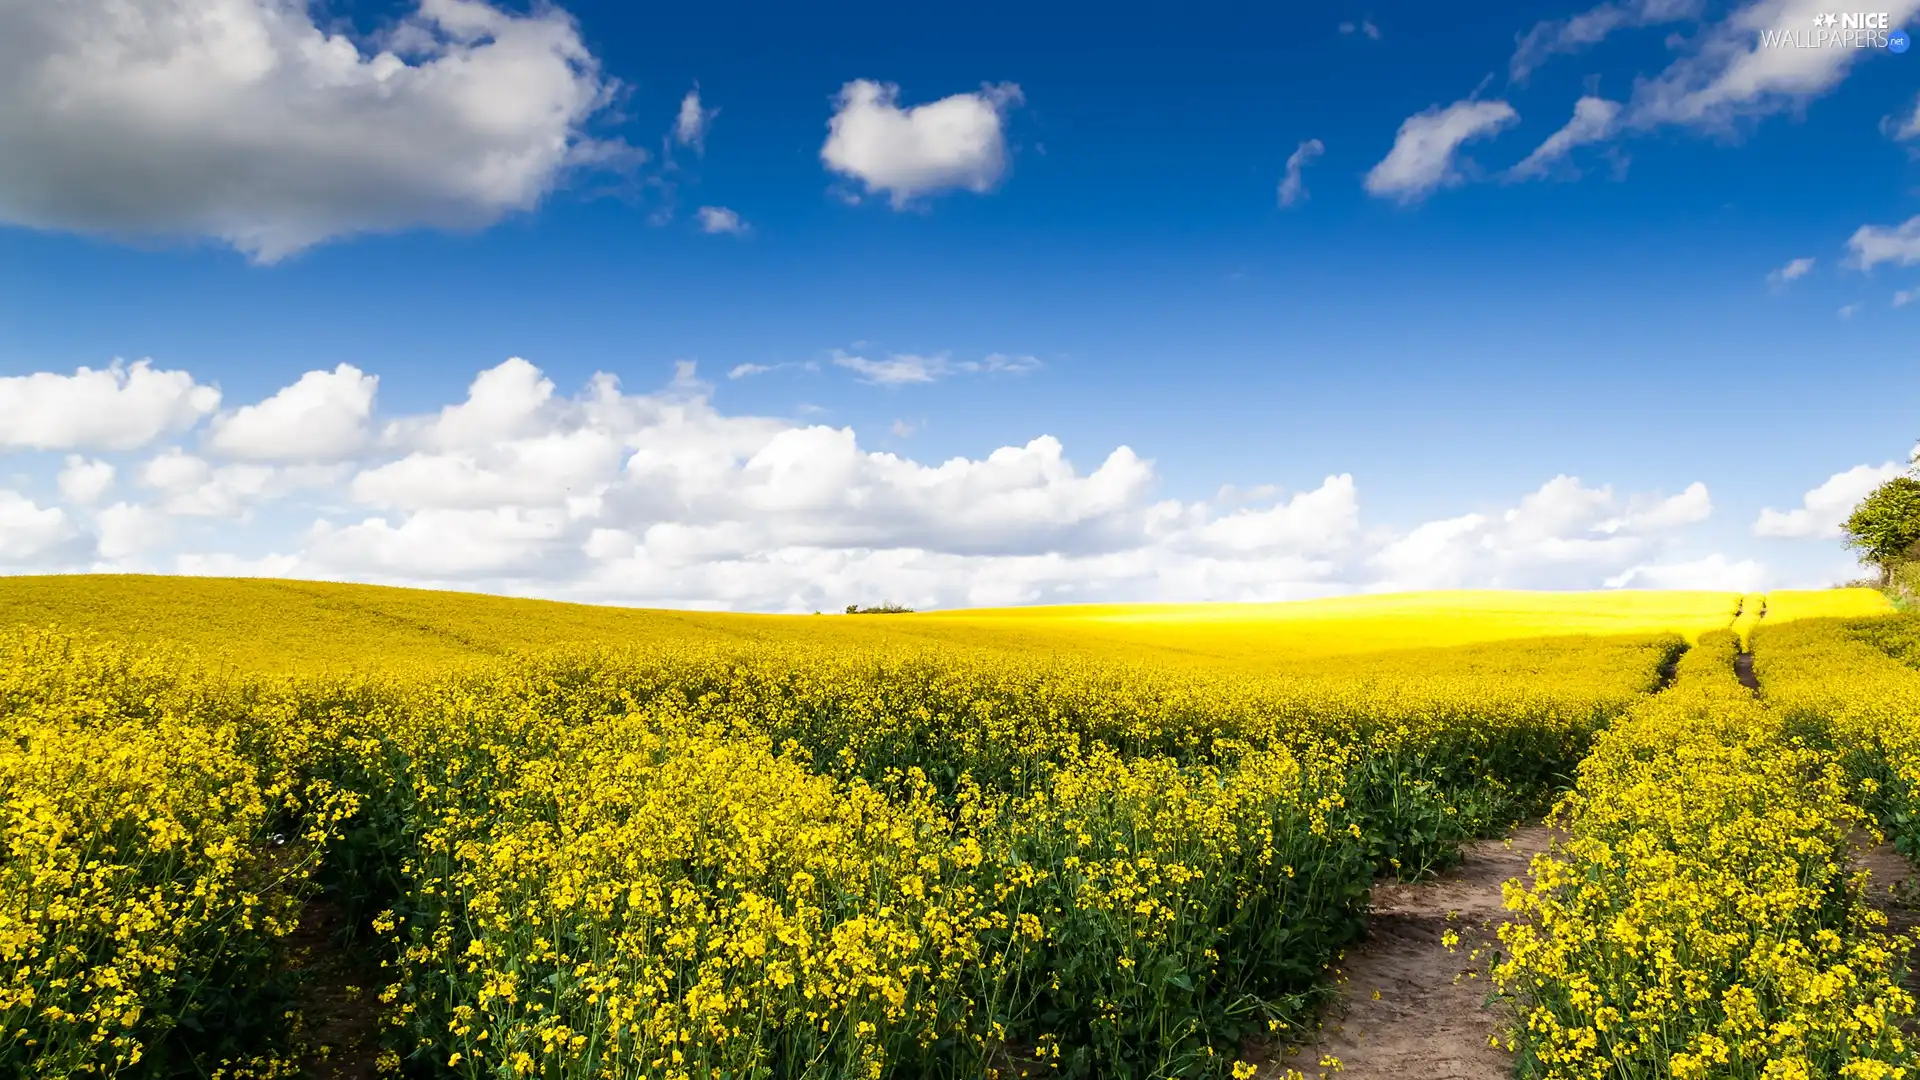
(1829,18)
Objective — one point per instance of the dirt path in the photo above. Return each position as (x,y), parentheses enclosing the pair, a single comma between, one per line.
(1894,889)
(337,998)
(1410,1007)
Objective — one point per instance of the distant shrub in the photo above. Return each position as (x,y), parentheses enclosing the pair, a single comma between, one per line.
(885,607)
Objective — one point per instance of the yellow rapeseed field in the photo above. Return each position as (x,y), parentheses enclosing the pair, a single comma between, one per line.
(267,624)
(581,842)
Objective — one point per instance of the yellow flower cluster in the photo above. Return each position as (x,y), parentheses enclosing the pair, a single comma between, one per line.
(142,882)
(1701,918)
(1859,681)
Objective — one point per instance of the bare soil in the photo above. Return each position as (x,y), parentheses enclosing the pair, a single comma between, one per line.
(338,998)
(1894,888)
(1410,1007)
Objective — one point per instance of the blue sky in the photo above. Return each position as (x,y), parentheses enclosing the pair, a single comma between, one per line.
(1402,364)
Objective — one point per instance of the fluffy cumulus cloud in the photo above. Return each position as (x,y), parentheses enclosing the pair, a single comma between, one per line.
(1823,509)
(83,482)
(29,531)
(1565,531)
(323,415)
(957,142)
(719,219)
(1714,572)
(1425,152)
(660,497)
(1293,186)
(119,407)
(190,486)
(248,122)
(1593,120)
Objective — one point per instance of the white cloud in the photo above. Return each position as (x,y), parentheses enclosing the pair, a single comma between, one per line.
(244,121)
(1823,509)
(1317,522)
(660,498)
(719,219)
(747,371)
(322,415)
(901,369)
(1293,187)
(956,142)
(1715,573)
(1908,128)
(1643,515)
(442,544)
(1872,245)
(1849,311)
(83,482)
(1903,297)
(222,564)
(1730,73)
(897,370)
(1002,363)
(191,486)
(537,470)
(503,402)
(902,429)
(124,530)
(1562,36)
(1422,158)
(1794,270)
(28,531)
(1565,531)
(1593,120)
(1364,27)
(691,123)
(113,408)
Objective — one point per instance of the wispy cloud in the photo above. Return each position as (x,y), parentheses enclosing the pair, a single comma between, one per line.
(905,369)
(1593,120)
(1293,187)
(1424,151)
(1792,271)
(1563,36)
(747,371)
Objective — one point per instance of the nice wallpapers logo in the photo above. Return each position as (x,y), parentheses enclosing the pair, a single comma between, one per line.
(1841,30)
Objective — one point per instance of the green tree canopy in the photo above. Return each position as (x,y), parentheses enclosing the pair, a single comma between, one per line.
(1885,527)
